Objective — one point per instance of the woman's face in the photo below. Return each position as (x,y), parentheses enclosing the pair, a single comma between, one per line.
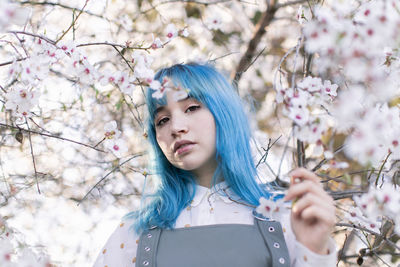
(185,132)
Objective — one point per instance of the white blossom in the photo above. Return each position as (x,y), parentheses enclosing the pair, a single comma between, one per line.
(271,209)
(171,31)
(117,146)
(111,131)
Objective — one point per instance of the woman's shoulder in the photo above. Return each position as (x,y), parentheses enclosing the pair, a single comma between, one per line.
(120,249)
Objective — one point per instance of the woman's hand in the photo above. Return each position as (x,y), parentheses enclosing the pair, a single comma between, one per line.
(313,212)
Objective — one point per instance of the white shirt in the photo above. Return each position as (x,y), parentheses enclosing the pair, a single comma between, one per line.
(207,208)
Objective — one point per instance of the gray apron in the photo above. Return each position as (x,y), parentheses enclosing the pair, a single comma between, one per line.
(220,245)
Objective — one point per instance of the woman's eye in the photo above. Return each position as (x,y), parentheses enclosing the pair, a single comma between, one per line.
(192,108)
(162,121)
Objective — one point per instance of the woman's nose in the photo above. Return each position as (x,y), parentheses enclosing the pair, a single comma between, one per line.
(178,126)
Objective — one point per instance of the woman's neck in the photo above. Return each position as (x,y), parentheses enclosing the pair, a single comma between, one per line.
(206,178)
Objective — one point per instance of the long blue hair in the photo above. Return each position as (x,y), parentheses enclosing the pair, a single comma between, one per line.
(233,154)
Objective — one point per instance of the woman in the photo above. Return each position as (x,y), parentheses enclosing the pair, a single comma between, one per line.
(202,212)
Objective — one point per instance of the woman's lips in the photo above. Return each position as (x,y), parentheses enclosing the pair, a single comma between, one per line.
(184,148)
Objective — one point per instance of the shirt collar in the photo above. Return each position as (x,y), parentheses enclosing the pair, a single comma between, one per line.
(220,190)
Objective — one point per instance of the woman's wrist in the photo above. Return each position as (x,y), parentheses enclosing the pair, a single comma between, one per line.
(321,248)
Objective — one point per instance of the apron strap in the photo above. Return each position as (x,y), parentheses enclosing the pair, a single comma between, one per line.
(147,248)
(272,234)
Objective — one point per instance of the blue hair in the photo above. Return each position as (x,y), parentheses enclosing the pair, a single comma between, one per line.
(233,154)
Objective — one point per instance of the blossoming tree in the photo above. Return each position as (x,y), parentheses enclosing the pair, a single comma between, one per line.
(321,79)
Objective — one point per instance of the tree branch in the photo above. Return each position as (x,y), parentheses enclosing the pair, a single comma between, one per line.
(260,30)
(50,135)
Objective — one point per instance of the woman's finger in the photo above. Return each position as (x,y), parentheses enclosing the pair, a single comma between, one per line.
(299,189)
(310,199)
(314,212)
(304,174)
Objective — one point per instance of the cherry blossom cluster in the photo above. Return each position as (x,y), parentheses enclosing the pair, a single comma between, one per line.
(35,68)
(307,105)
(354,38)
(379,202)
(11,13)
(45,55)
(121,79)
(161,88)
(21,100)
(142,60)
(359,44)
(272,209)
(356,217)
(112,141)
(14,253)
(29,72)
(376,133)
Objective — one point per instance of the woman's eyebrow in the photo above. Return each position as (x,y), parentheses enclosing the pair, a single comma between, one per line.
(158,110)
(162,108)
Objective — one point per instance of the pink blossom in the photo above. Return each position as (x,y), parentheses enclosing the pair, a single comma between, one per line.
(354,215)
(108,78)
(171,31)
(21,100)
(68,47)
(6,251)
(329,89)
(311,84)
(214,22)
(271,209)
(117,146)
(11,13)
(111,131)
(156,43)
(180,94)
(184,32)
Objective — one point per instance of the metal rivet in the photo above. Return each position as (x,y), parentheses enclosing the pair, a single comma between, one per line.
(149,235)
(276,245)
(147,248)
(271,229)
(281,260)
(145,263)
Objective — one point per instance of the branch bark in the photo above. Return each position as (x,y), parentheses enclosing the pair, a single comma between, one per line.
(260,30)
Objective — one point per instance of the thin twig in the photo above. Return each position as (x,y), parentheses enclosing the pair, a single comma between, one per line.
(348,225)
(45,3)
(381,168)
(73,22)
(283,154)
(12,61)
(300,41)
(205,3)
(104,177)
(324,159)
(115,45)
(345,194)
(265,155)
(217,58)
(50,135)
(33,156)
(281,62)
(34,35)
(291,3)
